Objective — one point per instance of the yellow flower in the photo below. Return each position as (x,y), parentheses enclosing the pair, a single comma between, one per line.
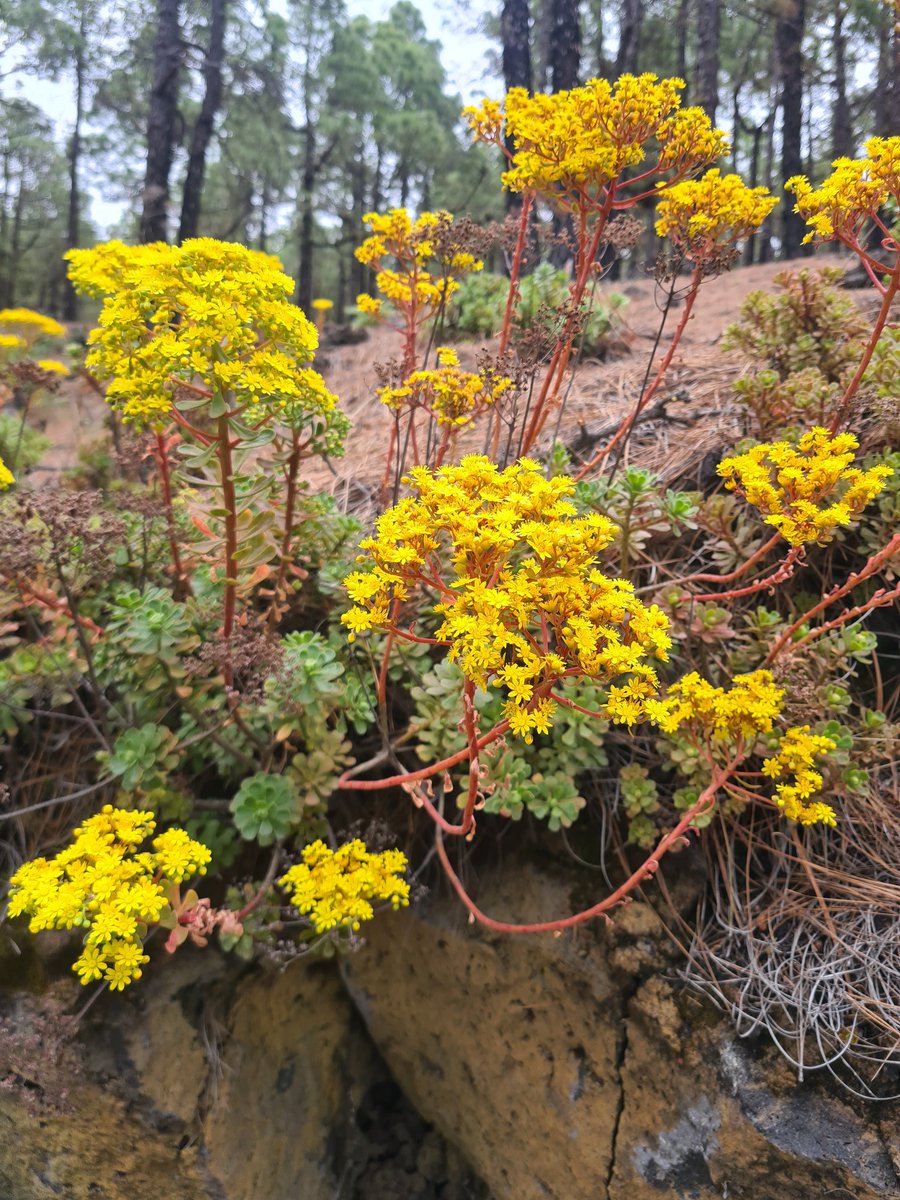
(571,146)
(32,324)
(368,304)
(705,215)
(796,754)
(53,366)
(745,710)
(412,271)
(90,964)
(452,396)
(179,856)
(7,479)
(852,195)
(520,597)
(124,962)
(206,312)
(807,491)
(12,341)
(338,888)
(741,713)
(104,884)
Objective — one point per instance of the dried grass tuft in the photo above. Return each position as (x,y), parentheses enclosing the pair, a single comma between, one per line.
(798,936)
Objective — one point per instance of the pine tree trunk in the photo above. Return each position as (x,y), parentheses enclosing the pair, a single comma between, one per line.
(264,215)
(514,36)
(789,48)
(750,247)
(73,218)
(303,293)
(565,45)
(887,87)
(516,42)
(681,41)
(709,14)
(543,35)
(15,257)
(203,129)
(630,37)
(5,259)
(765,234)
(162,121)
(841,120)
(601,67)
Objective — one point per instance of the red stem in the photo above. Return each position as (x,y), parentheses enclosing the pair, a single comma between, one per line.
(290,501)
(739,571)
(783,571)
(229,500)
(654,384)
(874,564)
(560,360)
(880,322)
(514,270)
(182,585)
(375,785)
(878,600)
(645,871)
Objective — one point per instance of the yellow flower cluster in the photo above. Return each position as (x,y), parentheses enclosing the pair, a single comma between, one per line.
(53,366)
(451,395)
(105,884)
(574,143)
(744,710)
(411,282)
(796,755)
(7,479)
(206,312)
(12,341)
(704,215)
(525,604)
(808,490)
(852,193)
(30,325)
(337,887)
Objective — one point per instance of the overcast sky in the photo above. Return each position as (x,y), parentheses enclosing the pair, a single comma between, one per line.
(455,24)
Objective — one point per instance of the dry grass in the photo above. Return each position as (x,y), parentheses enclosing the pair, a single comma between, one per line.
(798,936)
(705,420)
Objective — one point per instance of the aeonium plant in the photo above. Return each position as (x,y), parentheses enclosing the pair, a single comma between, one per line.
(116,891)
(511,572)
(202,343)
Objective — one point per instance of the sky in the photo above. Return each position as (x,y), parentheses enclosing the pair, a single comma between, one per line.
(455,24)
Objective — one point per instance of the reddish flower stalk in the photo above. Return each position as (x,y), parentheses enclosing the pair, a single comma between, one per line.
(782,572)
(586,259)
(466,827)
(738,571)
(879,599)
(650,390)
(871,567)
(514,270)
(511,297)
(161,456)
(348,783)
(290,504)
(877,329)
(645,871)
(229,500)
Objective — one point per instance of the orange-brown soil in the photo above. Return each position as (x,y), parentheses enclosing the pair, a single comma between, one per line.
(702,418)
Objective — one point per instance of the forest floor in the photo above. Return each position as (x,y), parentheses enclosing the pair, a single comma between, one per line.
(701,418)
